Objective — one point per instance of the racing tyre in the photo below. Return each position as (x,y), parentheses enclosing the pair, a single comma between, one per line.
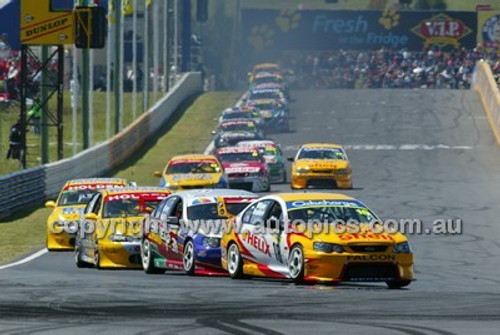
(97,257)
(234,262)
(188,259)
(148,260)
(397,284)
(296,264)
(78,259)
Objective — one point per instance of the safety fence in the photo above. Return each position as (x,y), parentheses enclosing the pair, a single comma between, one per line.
(33,186)
(484,83)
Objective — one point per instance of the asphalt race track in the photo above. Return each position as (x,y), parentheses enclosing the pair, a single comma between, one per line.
(422,154)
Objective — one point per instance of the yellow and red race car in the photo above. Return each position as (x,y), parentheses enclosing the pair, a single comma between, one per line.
(62,223)
(191,172)
(111,235)
(315,237)
(321,165)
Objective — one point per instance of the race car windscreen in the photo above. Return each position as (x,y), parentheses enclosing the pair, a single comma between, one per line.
(322,153)
(239,157)
(238,127)
(258,95)
(209,211)
(76,197)
(332,214)
(266,80)
(121,208)
(193,167)
(232,116)
(266,106)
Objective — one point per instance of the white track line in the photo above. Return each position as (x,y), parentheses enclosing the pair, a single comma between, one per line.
(28,259)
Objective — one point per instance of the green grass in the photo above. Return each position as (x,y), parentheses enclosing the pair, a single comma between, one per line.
(191,133)
(10,113)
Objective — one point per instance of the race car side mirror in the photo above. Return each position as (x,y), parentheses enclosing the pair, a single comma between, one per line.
(149,210)
(50,204)
(290,159)
(157,174)
(91,216)
(213,132)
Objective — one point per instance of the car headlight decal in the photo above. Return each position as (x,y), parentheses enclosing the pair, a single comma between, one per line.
(328,247)
(402,248)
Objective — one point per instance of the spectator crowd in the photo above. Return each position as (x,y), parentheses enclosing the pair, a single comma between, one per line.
(388,68)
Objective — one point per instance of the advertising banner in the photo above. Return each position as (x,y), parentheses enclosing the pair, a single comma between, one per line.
(488,27)
(326,30)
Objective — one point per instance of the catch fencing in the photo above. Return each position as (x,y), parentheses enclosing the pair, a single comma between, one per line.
(33,186)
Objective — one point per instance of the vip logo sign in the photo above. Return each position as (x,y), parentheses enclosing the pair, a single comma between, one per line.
(442,30)
(41,26)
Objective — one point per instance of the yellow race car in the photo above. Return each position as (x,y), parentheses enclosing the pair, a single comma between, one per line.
(62,223)
(111,234)
(315,237)
(321,165)
(188,172)
(269,68)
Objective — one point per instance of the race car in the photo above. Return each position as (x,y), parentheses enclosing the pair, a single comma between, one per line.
(62,223)
(315,237)
(245,167)
(274,113)
(273,157)
(248,113)
(264,67)
(111,235)
(192,171)
(231,132)
(171,239)
(275,94)
(321,165)
(269,80)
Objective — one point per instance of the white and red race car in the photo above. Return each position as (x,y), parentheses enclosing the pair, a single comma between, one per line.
(245,168)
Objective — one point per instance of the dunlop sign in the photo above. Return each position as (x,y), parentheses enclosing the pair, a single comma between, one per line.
(40,26)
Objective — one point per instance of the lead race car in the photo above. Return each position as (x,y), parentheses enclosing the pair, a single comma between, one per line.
(171,239)
(62,224)
(277,237)
(245,167)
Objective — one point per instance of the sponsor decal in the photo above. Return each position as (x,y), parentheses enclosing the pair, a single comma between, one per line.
(365,258)
(257,242)
(91,187)
(365,236)
(135,196)
(442,30)
(319,203)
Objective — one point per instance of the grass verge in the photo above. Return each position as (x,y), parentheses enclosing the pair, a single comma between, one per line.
(189,132)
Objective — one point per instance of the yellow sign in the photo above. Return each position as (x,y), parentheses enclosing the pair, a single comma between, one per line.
(40,26)
(488,28)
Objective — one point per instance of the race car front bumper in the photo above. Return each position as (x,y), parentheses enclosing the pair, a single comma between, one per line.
(358,267)
(301,181)
(120,254)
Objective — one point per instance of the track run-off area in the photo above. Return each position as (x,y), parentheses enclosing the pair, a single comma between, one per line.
(416,154)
